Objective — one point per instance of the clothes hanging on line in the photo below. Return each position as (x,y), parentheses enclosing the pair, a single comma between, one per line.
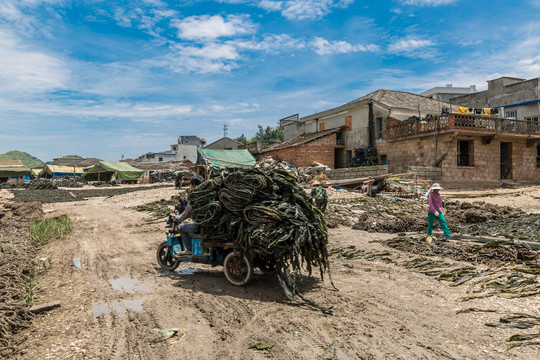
(463,111)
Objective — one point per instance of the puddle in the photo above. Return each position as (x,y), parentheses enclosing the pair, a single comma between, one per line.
(100,309)
(135,305)
(119,308)
(188,271)
(127,284)
(120,311)
(77,263)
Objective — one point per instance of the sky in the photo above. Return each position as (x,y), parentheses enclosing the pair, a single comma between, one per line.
(106,78)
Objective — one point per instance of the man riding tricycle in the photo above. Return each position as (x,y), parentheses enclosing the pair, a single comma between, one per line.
(185,244)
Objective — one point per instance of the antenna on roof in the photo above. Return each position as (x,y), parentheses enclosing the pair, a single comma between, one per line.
(225,128)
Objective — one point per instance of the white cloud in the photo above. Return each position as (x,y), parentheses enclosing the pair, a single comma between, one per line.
(206,27)
(422,3)
(271,43)
(28,70)
(409,46)
(304,9)
(324,47)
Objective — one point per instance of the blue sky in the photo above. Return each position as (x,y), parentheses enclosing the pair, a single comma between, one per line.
(105,78)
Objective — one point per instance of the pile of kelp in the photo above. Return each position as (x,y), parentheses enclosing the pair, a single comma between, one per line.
(265,213)
(523,227)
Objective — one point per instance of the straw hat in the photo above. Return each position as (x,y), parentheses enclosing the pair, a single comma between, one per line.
(436,186)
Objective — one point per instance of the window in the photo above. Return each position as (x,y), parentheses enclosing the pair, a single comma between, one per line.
(321,127)
(538,156)
(384,160)
(532,118)
(160,159)
(511,114)
(348,123)
(464,153)
(349,158)
(184,157)
(378,122)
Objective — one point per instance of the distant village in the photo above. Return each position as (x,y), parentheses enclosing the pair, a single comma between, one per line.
(456,136)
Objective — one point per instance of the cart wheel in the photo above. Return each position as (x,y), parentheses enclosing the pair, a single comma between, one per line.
(164,257)
(267,265)
(237,271)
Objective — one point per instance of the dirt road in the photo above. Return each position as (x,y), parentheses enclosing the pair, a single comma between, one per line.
(115,300)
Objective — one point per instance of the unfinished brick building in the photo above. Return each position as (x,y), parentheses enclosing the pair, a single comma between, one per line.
(306,149)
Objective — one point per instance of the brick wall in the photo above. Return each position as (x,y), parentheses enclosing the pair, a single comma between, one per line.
(427,172)
(357,172)
(321,150)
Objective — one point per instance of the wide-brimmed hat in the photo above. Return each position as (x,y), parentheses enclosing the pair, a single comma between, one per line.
(436,186)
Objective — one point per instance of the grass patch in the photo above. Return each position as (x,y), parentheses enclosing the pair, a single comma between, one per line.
(43,231)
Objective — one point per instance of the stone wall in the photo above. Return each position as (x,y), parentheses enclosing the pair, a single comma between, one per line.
(321,150)
(357,172)
(420,152)
(427,172)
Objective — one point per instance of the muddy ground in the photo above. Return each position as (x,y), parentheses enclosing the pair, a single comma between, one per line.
(115,300)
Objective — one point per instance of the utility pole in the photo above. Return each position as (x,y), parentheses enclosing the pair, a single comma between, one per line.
(225,128)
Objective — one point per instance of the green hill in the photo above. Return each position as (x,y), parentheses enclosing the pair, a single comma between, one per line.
(27,159)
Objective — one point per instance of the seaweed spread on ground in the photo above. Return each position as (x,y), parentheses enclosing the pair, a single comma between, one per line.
(513,273)
(396,215)
(265,213)
(16,254)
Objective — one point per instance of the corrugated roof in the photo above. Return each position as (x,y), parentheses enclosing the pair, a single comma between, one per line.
(299,140)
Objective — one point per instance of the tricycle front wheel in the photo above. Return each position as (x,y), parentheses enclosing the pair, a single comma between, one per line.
(164,257)
(238,270)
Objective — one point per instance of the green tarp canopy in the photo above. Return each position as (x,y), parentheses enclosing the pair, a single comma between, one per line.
(13,168)
(228,158)
(103,170)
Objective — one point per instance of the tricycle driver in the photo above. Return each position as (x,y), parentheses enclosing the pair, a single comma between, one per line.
(188,229)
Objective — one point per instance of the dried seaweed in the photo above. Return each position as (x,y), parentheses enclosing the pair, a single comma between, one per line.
(265,213)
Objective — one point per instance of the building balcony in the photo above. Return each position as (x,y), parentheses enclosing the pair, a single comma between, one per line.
(482,125)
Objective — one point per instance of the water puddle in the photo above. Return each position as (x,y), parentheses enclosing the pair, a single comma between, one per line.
(119,308)
(135,305)
(100,309)
(77,263)
(127,284)
(188,271)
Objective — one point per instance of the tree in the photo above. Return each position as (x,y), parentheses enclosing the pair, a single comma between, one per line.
(269,134)
(242,138)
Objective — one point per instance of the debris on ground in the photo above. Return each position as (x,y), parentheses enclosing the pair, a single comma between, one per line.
(60,195)
(16,269)
(159,209)
(261,346)
(265,213)
(45,183)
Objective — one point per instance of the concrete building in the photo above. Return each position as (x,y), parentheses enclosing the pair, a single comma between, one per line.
(225,143)
(448,92)
(516,98)
(185,149)
(361,123)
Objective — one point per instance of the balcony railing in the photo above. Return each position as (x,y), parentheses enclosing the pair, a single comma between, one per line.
(462,122)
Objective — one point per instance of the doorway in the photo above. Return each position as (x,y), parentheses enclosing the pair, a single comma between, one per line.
(506,160)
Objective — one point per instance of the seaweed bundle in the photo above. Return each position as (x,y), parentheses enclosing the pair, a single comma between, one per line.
(267,214)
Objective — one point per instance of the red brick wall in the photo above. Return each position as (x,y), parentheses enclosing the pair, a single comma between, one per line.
(320,150)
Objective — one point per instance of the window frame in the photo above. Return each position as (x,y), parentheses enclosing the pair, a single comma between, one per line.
(470,152)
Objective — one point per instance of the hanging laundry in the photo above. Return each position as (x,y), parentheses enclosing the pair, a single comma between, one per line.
(445,111)
(471,110)
(477,111)
(494,111)
(486,112)
(463,110)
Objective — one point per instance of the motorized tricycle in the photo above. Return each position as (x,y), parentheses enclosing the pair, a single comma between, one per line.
(238,268)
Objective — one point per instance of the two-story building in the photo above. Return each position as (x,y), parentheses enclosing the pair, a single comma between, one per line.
(185,149)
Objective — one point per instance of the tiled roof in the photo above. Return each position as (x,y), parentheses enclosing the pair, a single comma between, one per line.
(404,100)
(302,139)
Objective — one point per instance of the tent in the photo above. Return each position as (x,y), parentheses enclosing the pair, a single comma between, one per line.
(230,159)
(57,170)
(104,170)
(35,172)
(13,169)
